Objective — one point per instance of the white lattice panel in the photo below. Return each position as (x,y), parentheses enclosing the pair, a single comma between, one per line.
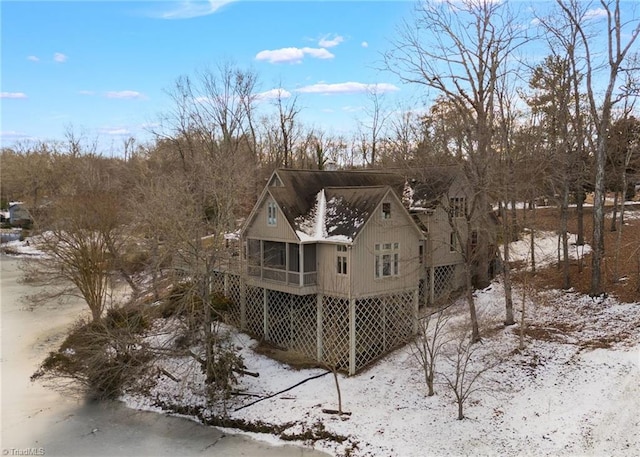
(443,280)
(370,330)
(335,332)
(254,311)
(304,328)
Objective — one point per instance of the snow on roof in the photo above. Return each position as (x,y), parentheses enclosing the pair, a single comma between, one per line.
(338,214)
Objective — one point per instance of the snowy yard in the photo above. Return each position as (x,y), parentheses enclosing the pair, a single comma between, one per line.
(573,390)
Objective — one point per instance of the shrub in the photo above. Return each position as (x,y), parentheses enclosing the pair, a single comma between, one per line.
(100,358)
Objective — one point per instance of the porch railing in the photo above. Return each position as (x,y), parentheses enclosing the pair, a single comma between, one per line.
(291,278)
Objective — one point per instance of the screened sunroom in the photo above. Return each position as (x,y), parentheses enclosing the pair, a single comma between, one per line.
(292,264)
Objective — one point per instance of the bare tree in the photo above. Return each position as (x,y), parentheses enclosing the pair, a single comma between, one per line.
(427,347)
(208,137)
(620,36)
(625,141)
(288,111)
(372,127)
(78,259)
(459,50)
(466,370)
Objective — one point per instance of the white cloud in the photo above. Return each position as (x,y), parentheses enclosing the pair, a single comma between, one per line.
(364,44)
(14,95)
(188,9)
(60,57)
(292,55)
(12,135)
(595,13)
(33,58)
(125,94)
(318,53)
(325,42)
(273,94)
(114,131)
(347,88)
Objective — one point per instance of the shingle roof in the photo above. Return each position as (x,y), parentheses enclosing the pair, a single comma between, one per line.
(339,213)
(350,197)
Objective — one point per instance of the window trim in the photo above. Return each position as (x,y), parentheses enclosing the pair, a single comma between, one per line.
(453,242)
(272,213)
(387,257)
(386,211)
(341,260)
(457,207)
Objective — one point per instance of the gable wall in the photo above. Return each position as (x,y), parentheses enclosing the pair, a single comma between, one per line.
(259,228)
(361,257)
(438,248)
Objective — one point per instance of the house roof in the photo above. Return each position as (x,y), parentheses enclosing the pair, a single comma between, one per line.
(336,204)
(339,213)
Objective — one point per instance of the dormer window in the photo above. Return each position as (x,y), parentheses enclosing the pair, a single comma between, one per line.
(272,213)
(386,211)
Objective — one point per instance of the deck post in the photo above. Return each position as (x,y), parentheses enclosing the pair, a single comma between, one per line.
(265,313)
(352,336)
(431,285)
(301,263)
(243,303)
(416,311)
(319,318)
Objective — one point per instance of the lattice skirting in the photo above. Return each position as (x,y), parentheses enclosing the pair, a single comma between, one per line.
(291,322)
(321,328)
(383,323)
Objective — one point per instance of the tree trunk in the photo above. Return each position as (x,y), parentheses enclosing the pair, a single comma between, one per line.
(616,262)
(580,197)
(566,283)
(614,218)
(598,218)
(475,331)
(334,368)
(533,244)
(506,271)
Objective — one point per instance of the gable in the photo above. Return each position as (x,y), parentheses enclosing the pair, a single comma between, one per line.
(268,221)
(335,204)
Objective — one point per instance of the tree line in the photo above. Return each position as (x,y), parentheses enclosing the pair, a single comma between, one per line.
(556,128)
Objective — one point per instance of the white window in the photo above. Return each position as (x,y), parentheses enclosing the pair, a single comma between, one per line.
(453,242)
(272,213)
(386,211)
(457,207)
(342,259)
(387,260)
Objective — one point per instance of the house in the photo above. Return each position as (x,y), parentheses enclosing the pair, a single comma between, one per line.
(336,264)
(19,215)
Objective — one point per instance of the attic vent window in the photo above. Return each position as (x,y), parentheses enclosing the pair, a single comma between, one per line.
(275,182)
(386,211)
(272,213)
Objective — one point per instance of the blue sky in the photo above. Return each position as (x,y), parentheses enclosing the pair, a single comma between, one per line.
(103,68)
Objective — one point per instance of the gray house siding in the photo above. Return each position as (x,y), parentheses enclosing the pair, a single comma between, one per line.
(347,294)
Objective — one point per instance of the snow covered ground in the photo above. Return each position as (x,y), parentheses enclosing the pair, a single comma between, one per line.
(573,390)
